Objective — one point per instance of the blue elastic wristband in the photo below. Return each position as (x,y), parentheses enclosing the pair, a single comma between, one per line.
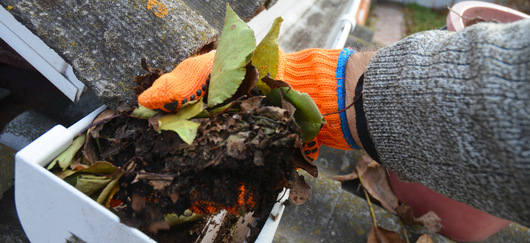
(341,96)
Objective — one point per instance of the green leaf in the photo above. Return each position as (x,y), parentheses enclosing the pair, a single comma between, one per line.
(89,184)
(173,219)
(67,157)
(233,53)
(179,123)
(307,114)
(266,56)
(143,112)
(187,130)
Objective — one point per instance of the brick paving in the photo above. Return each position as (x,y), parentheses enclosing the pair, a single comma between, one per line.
(390,25)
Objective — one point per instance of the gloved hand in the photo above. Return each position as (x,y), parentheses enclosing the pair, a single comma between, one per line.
(318,72)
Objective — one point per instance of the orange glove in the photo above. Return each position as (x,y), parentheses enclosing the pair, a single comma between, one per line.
(318,72)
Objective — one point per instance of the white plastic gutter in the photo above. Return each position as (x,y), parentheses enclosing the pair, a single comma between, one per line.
(348,24)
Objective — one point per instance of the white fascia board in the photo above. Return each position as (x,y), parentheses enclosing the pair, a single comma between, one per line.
(38,54)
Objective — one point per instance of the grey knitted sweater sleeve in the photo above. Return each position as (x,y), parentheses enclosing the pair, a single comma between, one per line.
(452,111)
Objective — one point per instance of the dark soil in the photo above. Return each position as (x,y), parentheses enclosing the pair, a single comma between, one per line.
(239,161)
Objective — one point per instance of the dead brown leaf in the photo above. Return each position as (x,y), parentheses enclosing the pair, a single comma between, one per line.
(103,115)
(406,214)
(273,84)
(425,238)
(375,182)
(159,184)
(124,108)
(89,151)
(153,121)
(138,202)
(381,235)
(301,161)
(251,104)
(76,165)
(249,82)
(431,221)
(300,191)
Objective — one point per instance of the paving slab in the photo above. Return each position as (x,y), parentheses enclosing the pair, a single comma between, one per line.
(390,25)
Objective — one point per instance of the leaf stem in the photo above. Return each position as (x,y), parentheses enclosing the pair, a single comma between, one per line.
(367,199)
(404,231)
(348,107)
(231,104)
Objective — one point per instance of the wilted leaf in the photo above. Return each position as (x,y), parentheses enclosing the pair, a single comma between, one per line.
(143,112)
(307,115)
(234,51)
(266,56)
(425,238)
(376,183)
(109,191)
(431,221)
(160,183)
(300,191)
(179,123)
(406,214)
(381,235)
(89,184)
(188,216)
(248,83)
(153,121)
(63,174)
(89,151)
(273,84)
(251,103)
(67,157)
(102,167)
(235,145)
(301,161)
(94,131)
(76,164)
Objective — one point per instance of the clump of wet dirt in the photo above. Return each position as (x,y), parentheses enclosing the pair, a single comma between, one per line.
(239,161)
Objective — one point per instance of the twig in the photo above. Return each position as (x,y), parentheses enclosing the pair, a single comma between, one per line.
(348,107)
(404,231)
(231,104)
(100,122)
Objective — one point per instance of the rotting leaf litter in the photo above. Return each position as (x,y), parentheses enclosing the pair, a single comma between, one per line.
(161,171)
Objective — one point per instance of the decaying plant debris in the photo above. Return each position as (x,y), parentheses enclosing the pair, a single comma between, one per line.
(165,173)
(161,174)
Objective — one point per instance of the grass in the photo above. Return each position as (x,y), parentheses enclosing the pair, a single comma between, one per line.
(419,18)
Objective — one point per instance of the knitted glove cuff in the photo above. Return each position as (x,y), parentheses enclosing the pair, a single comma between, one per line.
(320,73)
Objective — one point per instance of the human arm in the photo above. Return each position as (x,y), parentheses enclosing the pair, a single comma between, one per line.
(451,111)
